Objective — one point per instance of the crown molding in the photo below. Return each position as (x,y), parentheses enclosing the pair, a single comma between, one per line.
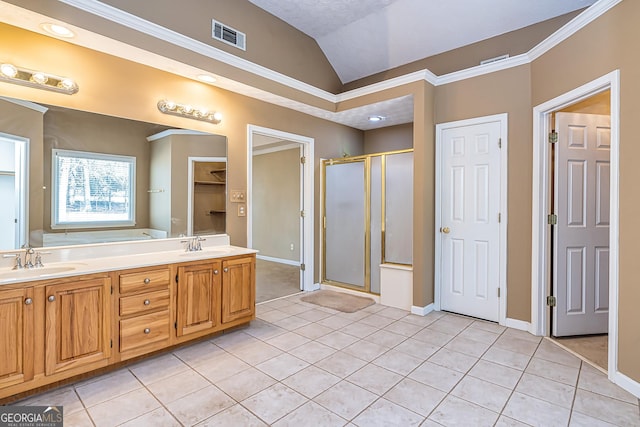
(570,28)
(136,23)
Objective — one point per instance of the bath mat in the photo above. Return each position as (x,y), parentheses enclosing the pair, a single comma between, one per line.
(340,301)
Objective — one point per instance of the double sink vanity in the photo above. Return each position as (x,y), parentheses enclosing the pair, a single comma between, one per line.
(89,307)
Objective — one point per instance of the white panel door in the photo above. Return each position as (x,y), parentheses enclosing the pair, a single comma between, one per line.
(581,264)
(470,231)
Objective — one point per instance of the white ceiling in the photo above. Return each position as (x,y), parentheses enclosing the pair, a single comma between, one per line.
(364,37)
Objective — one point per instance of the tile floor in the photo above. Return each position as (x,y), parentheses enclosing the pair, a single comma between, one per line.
(304,365)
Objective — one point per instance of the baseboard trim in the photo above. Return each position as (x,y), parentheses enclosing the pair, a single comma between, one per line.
(627,383)
(278,260)
(518,324)
(422,311)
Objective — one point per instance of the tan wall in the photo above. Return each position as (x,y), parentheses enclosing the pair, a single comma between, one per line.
(276,204)
(390,138)
(607,44)
(134,90)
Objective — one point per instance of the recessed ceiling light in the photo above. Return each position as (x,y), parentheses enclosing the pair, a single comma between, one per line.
(376,118)
(206,78)
(57,30)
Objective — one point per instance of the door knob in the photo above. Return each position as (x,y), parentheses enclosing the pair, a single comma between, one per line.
(445,230)
(51,298)
(28,301)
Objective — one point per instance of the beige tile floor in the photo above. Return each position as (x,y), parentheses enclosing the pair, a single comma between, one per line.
(304,365)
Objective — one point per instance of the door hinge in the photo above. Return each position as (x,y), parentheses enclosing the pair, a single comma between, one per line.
(552,219)
(324,222)
(499,217)
(302,214)
(111,343)
(175,325)
(551,301)
(553,137)
(498,292)
(499,142)
(303,160)
(303,267)
(111,290)
(176,278)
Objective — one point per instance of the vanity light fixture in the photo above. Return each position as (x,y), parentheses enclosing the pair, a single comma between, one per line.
(188,111)
(37,79)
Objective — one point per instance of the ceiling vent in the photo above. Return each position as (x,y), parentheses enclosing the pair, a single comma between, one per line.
(496,59)
(226,34)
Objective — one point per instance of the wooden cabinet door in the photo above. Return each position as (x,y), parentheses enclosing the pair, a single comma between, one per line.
(16,336)
(77,324)
(198,298)
(238,289)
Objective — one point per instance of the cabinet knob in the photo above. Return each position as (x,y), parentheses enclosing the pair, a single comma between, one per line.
(215,271)
(147,302)
(51,298)
(147,330)
(147,281)
(28,301)
(225,270)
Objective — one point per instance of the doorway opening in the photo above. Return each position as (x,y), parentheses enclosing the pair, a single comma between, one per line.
(280,211)
(575,221)
(207,195)
(14,191)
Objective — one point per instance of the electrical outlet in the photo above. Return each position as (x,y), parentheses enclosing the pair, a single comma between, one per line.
(242,210)
(237,196)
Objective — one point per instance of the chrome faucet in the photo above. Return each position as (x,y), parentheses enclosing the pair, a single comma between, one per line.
(28,255)
(193,244)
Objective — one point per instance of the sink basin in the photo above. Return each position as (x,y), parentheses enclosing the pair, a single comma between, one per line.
(29,273)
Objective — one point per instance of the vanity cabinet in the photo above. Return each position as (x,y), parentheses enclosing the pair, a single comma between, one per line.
(16,335)
(77,324)
(144,311)
(52,330)
(198,298)
(238,289)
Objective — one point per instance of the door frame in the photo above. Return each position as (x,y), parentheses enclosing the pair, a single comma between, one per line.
(307,195)
(540,255)
(503,118)
(21,192)
(190,189)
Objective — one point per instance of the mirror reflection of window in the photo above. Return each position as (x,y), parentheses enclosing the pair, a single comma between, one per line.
(93,190)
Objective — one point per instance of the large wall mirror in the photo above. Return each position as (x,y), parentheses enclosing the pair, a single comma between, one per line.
(104,178)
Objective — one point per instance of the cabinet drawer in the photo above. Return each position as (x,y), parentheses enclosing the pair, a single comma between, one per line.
(131,282)
(144,302)
(144,330)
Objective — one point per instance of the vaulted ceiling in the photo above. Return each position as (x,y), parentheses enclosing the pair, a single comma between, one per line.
(364,37)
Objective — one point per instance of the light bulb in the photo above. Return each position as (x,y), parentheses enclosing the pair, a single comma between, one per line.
(67,84)
(217,116)
(9,70)
(39,78)
(187,108)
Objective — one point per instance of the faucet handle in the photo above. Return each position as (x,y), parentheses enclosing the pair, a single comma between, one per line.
(38,262)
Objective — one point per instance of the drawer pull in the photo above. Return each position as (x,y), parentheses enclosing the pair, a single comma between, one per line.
(225,270)
(51,298)
(147,302)
(28,301)
(147,330)
(215,272)
(147,281)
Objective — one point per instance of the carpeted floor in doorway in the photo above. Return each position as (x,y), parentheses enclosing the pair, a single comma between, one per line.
(338,301)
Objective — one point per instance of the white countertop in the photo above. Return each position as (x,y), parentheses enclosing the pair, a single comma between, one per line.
(69,261)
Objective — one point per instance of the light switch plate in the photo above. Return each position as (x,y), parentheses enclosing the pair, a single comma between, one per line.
(237,196)
(242,210)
